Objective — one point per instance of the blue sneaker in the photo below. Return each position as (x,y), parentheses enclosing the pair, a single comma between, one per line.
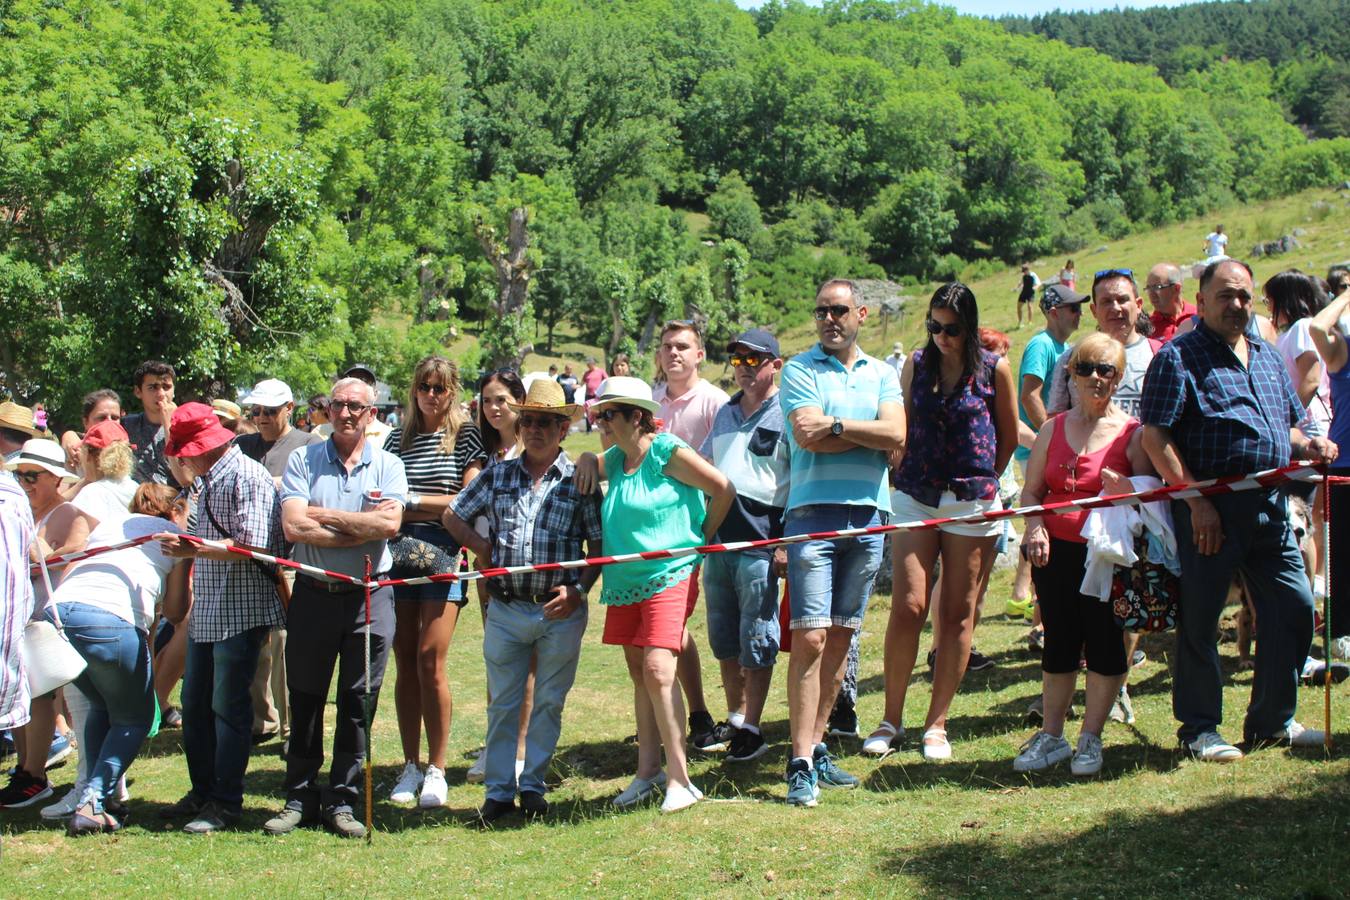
(60,750)
(801,782)
(827,773)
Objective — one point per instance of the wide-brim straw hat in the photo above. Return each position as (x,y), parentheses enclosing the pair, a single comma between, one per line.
(627,390)
(547,396)
(19,418)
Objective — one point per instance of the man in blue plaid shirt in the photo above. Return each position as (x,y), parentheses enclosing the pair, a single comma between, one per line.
(535,515)
(1217,402)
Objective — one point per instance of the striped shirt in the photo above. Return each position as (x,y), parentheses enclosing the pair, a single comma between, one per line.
(16,603)
(429,470)
(753,453)
(856,477)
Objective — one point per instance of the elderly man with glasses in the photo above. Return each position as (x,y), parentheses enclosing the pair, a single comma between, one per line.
(1170,309)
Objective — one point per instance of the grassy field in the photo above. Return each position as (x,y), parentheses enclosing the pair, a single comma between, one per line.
(1151,824)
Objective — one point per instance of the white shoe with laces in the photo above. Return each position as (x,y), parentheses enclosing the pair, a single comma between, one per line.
(1211,747)
(405,789)
(1088,758)
(66,806)
(1298,736)
(1041,752)
(434,789)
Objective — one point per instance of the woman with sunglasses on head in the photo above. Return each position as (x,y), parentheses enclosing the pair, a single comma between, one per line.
(442,452)
(1096,445)
(661,495)
(961,410)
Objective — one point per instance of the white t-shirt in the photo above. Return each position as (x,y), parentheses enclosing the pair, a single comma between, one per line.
(106,500)
(1216,244)
(126,583)
(1292,344)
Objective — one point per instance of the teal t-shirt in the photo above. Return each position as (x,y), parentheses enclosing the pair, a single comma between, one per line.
(648,510)
(1039,360)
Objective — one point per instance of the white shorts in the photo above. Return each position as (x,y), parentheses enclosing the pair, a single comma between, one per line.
(907,509)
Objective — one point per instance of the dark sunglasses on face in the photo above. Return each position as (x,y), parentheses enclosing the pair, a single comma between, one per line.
(951,330)
(434,390)
(354,407)
(528,421)
(753,361)
(836,310)
(28,477)
(608,415)
(1101,370)
(266,412)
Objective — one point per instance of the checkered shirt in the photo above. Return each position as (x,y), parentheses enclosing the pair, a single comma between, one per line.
(1226,419)
(232,597)
(528,525)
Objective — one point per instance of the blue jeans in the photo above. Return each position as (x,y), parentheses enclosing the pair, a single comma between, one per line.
(741,597)
(119,689)
(218,715)
(514,630)
(829,581)
(1259,543)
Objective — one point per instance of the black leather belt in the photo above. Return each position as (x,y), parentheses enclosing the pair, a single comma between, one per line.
(536,599)
(329,587)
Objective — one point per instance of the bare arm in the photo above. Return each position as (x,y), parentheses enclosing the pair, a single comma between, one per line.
(1140,463)
(380,523)
(1309,378)
(430,507)
(688,467)
(1327,337)
(301,528)
(1162,450)
(1005,414)
(1035,539)
(465,536)
(177,598)
(811,430)
(1030,396)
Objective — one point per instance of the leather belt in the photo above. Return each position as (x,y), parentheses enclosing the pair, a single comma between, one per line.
(536,599)
(330,587)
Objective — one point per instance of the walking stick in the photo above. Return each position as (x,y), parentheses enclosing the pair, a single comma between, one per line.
(370,830)
(1326,609)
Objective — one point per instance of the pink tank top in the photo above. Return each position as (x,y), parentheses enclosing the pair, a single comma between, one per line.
(1071,476)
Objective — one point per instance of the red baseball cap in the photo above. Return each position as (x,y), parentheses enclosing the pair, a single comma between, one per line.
(105,433)
(195,429)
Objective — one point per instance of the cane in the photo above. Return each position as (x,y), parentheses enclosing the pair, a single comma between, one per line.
(370,830)
(1326,609)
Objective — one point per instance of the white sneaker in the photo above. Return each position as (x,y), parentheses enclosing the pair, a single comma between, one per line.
(1088,759)
(65,807)
(1340,647)
(1211,747)
(638,790)
(1041,752)
(1298,736)
(679,796)
(434,789)
(405,790)
(478,771)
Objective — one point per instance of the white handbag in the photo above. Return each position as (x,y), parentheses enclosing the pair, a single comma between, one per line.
(48,657)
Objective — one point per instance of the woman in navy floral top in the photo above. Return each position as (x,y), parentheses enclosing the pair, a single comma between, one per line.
(961,406)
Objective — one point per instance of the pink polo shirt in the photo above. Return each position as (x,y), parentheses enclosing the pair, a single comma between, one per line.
(593,379)
(690,417)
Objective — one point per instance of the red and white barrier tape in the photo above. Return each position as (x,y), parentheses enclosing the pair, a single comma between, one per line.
(1301,471)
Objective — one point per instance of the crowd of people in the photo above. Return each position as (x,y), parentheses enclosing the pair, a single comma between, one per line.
(829,439)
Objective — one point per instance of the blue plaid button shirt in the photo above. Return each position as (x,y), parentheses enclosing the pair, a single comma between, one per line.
(1226,419)
(528,526)
(229,598)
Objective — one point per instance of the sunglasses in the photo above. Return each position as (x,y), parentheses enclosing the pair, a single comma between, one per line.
(610,414)
(28,477)
(1112,273)
(1101,370)
(266,412)
(528,421)
(1153,288)
(434,390)
(936,328)
(754,361)
(836,310)
(352,406)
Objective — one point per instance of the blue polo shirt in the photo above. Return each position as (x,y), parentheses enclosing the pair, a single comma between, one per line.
(1226,419)
(855,477)
(314,474)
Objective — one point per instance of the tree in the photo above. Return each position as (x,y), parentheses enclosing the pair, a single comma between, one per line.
(733,211)
(503,338)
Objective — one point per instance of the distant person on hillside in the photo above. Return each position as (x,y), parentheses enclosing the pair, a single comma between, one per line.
(897,358)
(1026,292)
(591,379)
(569,382)
(1216,244)
(1068,276)
(1170,309)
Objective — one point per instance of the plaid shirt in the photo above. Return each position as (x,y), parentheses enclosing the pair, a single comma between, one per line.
(232,597)
(528,525)
(1226,419)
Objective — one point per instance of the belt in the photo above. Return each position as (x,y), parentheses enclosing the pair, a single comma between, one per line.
(536,599)
(331,587)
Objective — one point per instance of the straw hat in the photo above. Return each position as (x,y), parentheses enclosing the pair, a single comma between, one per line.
(20,418)
(547,397)
(626,390)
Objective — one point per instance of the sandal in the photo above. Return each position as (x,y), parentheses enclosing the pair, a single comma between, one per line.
(935,744)
(882,739)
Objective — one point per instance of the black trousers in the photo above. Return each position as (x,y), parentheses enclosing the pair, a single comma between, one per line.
(1076,626)
(323,630)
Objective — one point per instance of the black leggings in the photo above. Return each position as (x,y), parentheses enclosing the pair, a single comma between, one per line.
(1076,626)
(1338,555)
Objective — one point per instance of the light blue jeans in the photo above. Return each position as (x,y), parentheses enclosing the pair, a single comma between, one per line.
(119,689)
(741,596)
(514,630)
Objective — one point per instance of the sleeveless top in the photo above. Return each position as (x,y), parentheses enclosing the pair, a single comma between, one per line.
(646,509)
(1071,476)
(952,443)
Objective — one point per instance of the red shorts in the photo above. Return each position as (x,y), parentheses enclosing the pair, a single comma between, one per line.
(657,621)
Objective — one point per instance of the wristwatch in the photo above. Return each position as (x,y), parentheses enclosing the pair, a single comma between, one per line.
(414,500)
(837,426)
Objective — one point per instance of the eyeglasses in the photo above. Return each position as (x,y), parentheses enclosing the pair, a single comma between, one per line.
(754,361)
(1101,370)
(935,328)
(28,477)
(266,412)
(354,407)
(434,390)
(836,310)
(1153,288)
(528,421)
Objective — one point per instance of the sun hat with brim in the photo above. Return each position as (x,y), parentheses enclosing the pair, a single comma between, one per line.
(227,410)
(195,430)
(270,392)
(627,390)
(547,397)
(46,455)
(106,433)
(19,418)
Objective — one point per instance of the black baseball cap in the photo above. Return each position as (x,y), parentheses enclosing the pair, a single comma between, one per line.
(361,371)
(1057,295)
(758,340)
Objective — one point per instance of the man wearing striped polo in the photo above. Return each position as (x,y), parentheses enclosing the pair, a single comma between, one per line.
(846,415)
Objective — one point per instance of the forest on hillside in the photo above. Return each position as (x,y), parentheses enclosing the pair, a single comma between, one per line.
(280,186)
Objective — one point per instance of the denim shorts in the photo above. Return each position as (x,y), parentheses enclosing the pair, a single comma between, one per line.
(829,581)
(742,603)
(443,591)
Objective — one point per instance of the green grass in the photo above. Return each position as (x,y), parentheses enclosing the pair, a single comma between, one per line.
(1152,824)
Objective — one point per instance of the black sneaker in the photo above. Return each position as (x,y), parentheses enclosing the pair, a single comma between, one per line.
(843,719)
(932,655)
(187,807)
(746,745)
(24,790)
(714,741)
(978,661)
